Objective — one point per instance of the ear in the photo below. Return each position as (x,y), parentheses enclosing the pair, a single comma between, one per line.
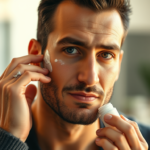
(34,48)
(120,61)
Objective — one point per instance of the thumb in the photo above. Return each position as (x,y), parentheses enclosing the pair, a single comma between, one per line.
(30,93)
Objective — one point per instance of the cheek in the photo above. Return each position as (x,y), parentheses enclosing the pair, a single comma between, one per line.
(108,77)
(62,73)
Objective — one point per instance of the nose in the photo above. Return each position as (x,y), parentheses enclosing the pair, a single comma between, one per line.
(89,71)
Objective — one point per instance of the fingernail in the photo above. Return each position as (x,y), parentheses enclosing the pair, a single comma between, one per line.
(107,116)
(48,77)
(98,131)
(97,139)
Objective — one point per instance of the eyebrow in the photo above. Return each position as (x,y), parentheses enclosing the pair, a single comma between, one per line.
(70,40)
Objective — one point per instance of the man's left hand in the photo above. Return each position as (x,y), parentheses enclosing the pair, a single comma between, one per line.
(123,134)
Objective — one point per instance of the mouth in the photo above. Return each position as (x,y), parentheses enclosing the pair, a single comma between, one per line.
(84,97)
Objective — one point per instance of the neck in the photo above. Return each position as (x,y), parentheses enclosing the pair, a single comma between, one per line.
(52,131)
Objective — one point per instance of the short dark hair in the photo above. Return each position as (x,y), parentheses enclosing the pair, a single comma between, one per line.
(47,9)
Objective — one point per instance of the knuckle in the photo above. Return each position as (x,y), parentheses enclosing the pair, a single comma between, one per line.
(134,124)
(20,66)
(130,129)
(28,73)
(14,60)
(120,138)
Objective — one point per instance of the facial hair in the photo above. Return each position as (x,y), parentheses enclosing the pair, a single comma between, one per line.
(80,115)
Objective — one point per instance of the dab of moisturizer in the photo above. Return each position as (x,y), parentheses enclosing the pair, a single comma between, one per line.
(59,60)
(47,63)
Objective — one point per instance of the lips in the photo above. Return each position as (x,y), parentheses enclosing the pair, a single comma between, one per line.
(84,97)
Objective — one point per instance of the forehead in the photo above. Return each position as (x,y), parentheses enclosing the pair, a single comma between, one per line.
(81,22)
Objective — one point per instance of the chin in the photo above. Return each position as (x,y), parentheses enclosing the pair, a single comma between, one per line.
(83,116)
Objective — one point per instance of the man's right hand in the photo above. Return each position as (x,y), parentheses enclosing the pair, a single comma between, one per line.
(16,97)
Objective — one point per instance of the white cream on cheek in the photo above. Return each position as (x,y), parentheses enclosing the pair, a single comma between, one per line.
(47,63)
(60,61)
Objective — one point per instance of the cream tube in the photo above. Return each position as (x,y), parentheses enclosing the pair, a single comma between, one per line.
(107,109)
(47,63)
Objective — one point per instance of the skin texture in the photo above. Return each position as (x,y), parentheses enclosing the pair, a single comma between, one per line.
(87,67)
(92,67)
(82,69)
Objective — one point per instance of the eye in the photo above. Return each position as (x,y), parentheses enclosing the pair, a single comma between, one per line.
(71,50)
(106,55)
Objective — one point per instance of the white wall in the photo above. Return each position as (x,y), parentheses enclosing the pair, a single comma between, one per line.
(22,15)
(140,18)
(23,25)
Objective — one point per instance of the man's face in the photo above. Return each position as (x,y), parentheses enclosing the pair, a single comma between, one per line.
(85,56)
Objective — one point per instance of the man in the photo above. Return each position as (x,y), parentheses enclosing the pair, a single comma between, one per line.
(83,40)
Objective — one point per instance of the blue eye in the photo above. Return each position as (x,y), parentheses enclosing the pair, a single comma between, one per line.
(71,50)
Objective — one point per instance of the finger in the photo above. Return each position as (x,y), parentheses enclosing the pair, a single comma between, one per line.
(3,73)
(124,127)
(105,144)
(22,68)
(29,76)
(23,60)
(3,88)
(116,137)
(30,93)
(4,83)
(134,124)
(4,99)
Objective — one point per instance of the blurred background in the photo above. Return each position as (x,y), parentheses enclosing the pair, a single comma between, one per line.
(18,24)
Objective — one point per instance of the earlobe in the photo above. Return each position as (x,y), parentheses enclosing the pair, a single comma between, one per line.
(34,47)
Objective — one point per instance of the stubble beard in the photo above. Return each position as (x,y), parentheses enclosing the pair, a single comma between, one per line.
(80,115)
